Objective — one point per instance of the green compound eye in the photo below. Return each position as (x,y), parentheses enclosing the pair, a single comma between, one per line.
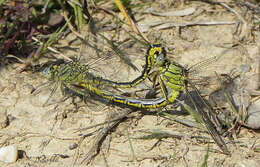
(47,71)
(160,59)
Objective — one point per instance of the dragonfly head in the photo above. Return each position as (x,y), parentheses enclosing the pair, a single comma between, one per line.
(157,55)
(51,67)
(48,71)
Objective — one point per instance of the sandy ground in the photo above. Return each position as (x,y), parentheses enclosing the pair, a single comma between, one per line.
(54,135)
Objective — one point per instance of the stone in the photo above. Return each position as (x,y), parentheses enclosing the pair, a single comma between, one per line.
(8,154)
(73,146)
(253,118)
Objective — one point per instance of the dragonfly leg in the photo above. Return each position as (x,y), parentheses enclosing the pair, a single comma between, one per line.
(163,88)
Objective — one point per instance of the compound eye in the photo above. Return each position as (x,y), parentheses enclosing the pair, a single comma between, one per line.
(160,60)
(160,57)
(47,71)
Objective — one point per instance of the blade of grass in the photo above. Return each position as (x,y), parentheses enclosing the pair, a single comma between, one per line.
(1,2)
(159,134)
(78,13)
(53,39)
(205,162)
(43,48)
(182,121)
(131,145)
(121,7)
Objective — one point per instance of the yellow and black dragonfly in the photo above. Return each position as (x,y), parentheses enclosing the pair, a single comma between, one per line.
(172,77)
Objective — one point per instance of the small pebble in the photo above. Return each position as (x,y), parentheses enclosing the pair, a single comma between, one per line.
(8,154)
(253,120)
(73,146)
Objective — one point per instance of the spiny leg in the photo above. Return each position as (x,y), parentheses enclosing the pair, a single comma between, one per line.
(163,89)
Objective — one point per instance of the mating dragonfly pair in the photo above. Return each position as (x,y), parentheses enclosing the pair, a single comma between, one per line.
(76,77)
(172,78)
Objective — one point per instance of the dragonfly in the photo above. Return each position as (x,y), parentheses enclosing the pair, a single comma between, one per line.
(63,72)
(172,77)
(78,79)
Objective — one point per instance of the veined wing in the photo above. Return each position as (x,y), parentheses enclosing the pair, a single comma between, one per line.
(204,117)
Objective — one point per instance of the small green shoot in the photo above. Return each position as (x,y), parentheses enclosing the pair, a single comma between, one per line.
(205,162)
(131,146)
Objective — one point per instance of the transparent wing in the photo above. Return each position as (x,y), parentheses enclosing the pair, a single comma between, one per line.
(202,73)
(206,116)
(47,94)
